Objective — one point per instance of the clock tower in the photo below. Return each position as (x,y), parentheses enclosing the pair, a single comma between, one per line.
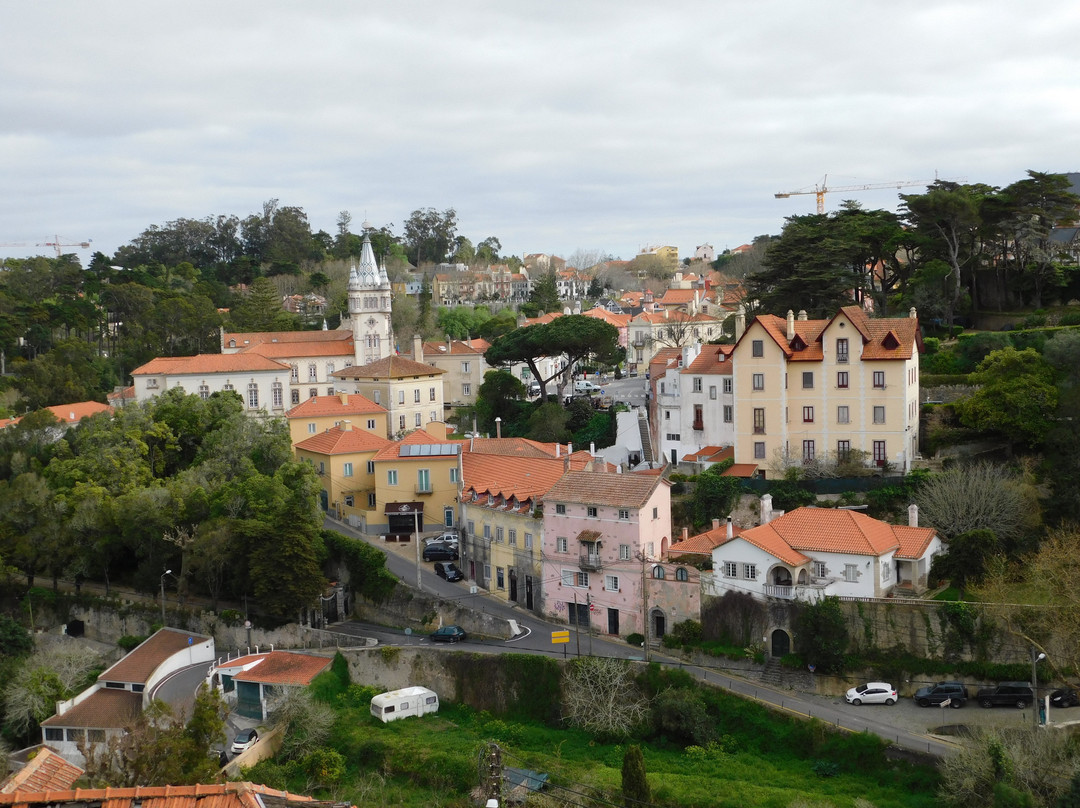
(369,307)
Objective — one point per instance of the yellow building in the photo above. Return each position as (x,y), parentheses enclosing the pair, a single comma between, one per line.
(343,458)
(815,391)
(320,413)
(417,484)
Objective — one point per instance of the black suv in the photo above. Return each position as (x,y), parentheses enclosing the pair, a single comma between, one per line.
(1012,694)
(440,552)
(955,692)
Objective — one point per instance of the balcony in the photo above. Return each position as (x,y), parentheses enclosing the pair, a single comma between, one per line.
(589,561)
(842,358)
(782,592)
(699,425)
(422,489)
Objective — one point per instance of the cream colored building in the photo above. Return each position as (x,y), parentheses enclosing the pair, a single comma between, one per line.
(812,391)
(463,361)
(410,391)
(261,382)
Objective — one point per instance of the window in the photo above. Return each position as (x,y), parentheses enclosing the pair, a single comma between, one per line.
(750,572)
(371,500)
(759,420)
(487,572)
(500,581)
(512,537)
(74,735)
(611,583)
(204,391)
(842,379)
(448,516)
(851,573)
(712,392)
(808,451)
(454,474)
(699,417)
(312,392)
(697,384)
(842,351)
(95,735)
(843,451)
(311,428)
(879,379)
(226,386)
(560,508)
(400,396)
(843,414)
(624,552)
(886,571)
(294,397)
(667,415)
(401,422)
(808,415)
(472,528)
(378,396)
(879,452)
(681,574)
(581,579)
(312,373)
(655,513)
(391,477)
(759,381)
(879,415)
(347,469)
(590,511)
(371,423)
(294,374)
(561,545)
(731,569)
(466,389)
(423,480)
(727,386)
(499,535)
(54,734)
(417,419)
(253,395)
(817,569)
(349,501)
(658,572)
(624,513)
(277,393)
(487,532)
(431,394)
(528,541)
(808,380)
(757,348)
(464,367)
(329,368)
(759,450)
(371,467)
(729,413)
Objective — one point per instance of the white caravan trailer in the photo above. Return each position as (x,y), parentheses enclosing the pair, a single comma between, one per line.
(403,703)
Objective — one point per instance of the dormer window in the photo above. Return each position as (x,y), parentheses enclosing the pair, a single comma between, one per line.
(798,344)
(891,341)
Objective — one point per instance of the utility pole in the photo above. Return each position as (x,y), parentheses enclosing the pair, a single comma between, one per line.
(494,775)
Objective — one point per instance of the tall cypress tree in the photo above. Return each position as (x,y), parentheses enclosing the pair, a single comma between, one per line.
(635,787)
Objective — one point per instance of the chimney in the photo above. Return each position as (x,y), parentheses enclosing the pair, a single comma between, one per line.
(569,448)
(343,397)
(730,528)
(558,450)
(685,534)
(766,508)
(913,515)
(802,314)
(592,448)
(911,313)
(790,324)
(740,322)
(417,348)
(715,523)
(346,426)
(498,427)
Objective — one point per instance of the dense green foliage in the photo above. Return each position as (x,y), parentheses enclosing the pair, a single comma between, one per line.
(821,634)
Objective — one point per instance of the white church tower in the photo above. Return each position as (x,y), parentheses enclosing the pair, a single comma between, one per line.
(369,307)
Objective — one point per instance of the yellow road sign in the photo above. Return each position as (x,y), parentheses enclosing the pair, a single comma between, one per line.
(560,636)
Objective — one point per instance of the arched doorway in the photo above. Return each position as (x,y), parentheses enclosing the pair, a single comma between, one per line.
(659,624)
(781,643)
(781,576)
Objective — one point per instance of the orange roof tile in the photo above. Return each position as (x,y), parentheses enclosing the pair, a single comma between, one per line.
(144,659)
(208,363)
(913,540)
(604,488)
(510,476)
(341,404)
(516,447)
(44,771)
(282,667)
(740,470)
(703,543)
(417,437)
(213,795)
(390,367)
(73,413)
(338,441)
(249,338)
(455,347)
(278,350)
(103,709)
(711,454)
(823,530)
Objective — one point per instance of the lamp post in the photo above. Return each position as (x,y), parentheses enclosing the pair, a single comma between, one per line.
(1035,686)
(167,572)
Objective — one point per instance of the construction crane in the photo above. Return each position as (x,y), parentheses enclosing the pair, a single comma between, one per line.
(58,245)
(820,190)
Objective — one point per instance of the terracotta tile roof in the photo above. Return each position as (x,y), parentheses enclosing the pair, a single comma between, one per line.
(214,795)
(604,488)
(117,397)
(278,350)
(703,543)
(808,331)
(103,709)
(44,771)
(713,360)
(824,530)
(342,404)
(68,413)
(208,363)
(338,441)
(416,437)
(511,476)
(913,540)
(678,297)
(589,535)
(282,667)
(600,313)
(516,447)
(711,454)
(247,339)
(875,331)
(740,470)
(391,367)
(456,347)
(143,660)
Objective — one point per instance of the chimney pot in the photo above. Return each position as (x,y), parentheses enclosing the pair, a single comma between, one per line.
(346,426)
(913,515)
(730,528)
(715,523)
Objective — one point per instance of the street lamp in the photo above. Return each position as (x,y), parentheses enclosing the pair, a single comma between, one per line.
(1035,686)
(167,572)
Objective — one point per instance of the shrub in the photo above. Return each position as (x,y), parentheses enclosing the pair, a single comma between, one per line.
(128,642)
(636,640)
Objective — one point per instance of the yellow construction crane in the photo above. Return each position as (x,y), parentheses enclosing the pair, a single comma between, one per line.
(58,245)
(822,189)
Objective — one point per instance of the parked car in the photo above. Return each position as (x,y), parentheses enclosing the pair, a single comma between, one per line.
(448,570)
(448,634)
(1064,697)
(449,537)
(871,693)
(534,389)
(1013,694)
(440,552)
(586,387)
(954,692)
(244,740)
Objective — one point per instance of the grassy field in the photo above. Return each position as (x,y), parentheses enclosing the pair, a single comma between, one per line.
(761,760)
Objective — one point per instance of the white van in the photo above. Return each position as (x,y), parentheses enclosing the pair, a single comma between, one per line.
(404,703)
(586,387)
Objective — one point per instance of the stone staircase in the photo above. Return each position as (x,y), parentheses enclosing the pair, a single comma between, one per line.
(772,674)
(646,438)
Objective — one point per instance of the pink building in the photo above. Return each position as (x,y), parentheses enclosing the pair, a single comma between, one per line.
(605,537)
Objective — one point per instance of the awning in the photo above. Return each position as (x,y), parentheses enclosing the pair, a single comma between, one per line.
(404,508)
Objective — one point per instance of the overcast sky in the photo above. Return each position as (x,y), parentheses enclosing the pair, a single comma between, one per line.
(554,126)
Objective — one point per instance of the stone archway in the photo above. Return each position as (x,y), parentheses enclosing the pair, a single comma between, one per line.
(781,643)
(658,623)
